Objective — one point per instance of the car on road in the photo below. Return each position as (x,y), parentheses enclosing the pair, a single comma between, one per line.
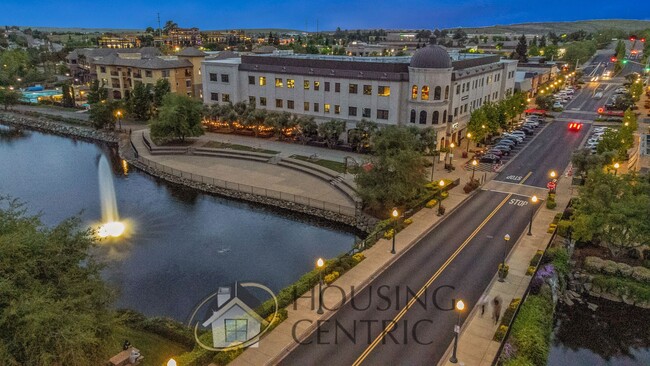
(490,158)
(598,95)
(557,105)
(575,126)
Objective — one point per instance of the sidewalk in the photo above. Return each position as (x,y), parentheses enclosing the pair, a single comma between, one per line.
(280,341)
(475,345)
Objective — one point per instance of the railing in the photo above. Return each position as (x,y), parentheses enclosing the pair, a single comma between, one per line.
(135,150)
(146,142)
(244,188)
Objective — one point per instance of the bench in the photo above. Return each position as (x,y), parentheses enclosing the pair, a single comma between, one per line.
(122,358)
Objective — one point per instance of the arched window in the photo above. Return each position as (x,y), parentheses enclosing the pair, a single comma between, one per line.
(444,117)
(436,93)
(446,92)
(412,115)
(423,118)
(436,116)
(414,92)
(425,93)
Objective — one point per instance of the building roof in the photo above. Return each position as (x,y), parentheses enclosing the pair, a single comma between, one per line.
(191,52)
(154,63)
(102,52)
(431,57)
(224,55)
(264,49)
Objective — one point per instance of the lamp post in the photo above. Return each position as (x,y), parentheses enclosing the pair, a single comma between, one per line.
(505,254)
(319,264)
(451,154)
(469,135)
(441,184)
(616,166)
(474,164)
(171,362)
(532,211)
(460,306)
(553,176)
(395,214)
(119,119)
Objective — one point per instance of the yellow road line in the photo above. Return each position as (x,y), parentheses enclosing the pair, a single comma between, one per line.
(526,177)
(401,314)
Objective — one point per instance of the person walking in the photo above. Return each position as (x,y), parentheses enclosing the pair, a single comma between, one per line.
(496,309)
(483,302)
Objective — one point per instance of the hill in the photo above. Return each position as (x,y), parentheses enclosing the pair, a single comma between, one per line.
(563,27)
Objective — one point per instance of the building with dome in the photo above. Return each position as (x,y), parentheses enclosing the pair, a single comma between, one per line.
(432,88)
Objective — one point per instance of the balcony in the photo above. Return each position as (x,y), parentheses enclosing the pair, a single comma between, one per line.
(115,73)
(137,76)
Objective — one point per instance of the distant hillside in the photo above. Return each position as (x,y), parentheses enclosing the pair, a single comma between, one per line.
(257,30)
(82,30)
(564,27)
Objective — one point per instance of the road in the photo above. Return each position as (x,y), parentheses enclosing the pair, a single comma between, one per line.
(463,252)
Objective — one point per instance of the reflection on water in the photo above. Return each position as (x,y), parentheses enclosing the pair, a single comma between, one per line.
(615,334)
(182,245)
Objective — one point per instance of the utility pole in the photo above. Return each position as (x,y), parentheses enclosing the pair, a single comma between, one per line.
(159,27)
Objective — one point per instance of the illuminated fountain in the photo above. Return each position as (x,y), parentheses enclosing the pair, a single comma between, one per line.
(111,226)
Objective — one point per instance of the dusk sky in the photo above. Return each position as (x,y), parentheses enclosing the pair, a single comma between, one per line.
(303,14)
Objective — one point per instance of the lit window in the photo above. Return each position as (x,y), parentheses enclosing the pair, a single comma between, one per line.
(306,84)
(316,85)
(383,91)
(414,92)
(425,93)
(326,108)
(353,88)
(225,98)
(291,83)
(262,80)
(367,90)
(278,83)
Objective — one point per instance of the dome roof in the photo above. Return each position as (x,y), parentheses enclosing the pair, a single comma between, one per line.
(431,57)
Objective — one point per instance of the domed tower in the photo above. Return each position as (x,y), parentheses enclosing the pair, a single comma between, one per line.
(429,93)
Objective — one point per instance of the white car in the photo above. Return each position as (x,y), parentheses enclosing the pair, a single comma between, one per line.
(620,90)
(557,105)
(598,95)
(532,122)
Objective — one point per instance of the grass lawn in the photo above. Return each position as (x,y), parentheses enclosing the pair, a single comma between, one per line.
(155,349)
(330,164)
(224,145)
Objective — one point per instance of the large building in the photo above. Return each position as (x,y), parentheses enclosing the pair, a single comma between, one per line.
(120,72)
(431,88)
(81,61)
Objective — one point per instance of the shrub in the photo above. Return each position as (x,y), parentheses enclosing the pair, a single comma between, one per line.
(331,277)
(388,234)
(594,264)
(624,269)
(610,267)
(503,270)
(444,194)
(531,330)
(431,204)
(408,222)
(536,258)
(563,227)
(641,274)
(550,204)
(637,291)
(358,257)
(530,270)
(500,333)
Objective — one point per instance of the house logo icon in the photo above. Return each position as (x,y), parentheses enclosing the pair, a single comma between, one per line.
(230,317)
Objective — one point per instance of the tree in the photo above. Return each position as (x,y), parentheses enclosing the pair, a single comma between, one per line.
(102,114)
(362,134)
(149,30)
(9,98)
(307,129)
(140,103)
(544,102)
(281,122)
(330,131)
(613,211)
(255,118)
(522,49)
(68,95)
(50,283)
(542,42)
(584,161)
(97,92)
(617,141)
(179,117)
(160,90)
(169,25)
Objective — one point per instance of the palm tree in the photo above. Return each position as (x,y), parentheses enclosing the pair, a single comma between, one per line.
(169,25)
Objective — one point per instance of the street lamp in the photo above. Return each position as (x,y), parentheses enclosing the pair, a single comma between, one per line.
(553,176)
(451,153)
(616,166)
(474,164)
(532,211)
(441,184)
(319,264)
(460,306)
(395,214)
(171,362)
(505,254)
(469,135)
(119,118)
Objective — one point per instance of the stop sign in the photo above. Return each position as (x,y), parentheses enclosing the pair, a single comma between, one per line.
(551,185)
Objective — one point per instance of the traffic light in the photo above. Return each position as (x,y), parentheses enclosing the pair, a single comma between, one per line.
(624,62)
(614,59)
(632,38)
(642,39)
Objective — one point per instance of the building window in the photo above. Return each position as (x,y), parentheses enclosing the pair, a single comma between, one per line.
(225,78)
(316,85)
(165,73)
(102,69)
(225,98)
(188,83)
(337,87)
(291,84)
(316,109)
(414,92)
(444,117)
(382,114)
(327,86)
(352,111)
(306,106)
(437,93)
(337,109)
(326,108)
(413,115)
(383,91)
(305,84)
(289,104)
(353,89)
(446,92)
(251,101)
(263,101)
(262,80)
(236,330)
(148,73)
(457,89)
(251,80)
(435,118)
(278,103)
(214,96)
(456,112)
(213,77)
(423,117)
(367,90)
(278,83)
(366,113)
(425,92)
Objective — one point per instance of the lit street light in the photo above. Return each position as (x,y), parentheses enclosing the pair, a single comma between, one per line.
(460,306)
(119,118)
(395,214)
(474,164)
(469,135)
(505,254)
(532,211)
(171,362)
(319,264)
(451,153)
(441,184)
(616,166)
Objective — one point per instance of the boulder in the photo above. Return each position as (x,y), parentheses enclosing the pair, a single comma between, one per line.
(588,286)
(592,307)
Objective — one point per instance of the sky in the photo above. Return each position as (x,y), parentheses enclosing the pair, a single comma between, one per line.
(307,14)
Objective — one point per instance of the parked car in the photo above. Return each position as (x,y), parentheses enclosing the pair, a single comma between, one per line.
(557,105)
(490,158)
(527,130)
(506,141)
(529,125)
(518,133)
(504,150)
(508,146)
(532,122)
(598,95)
(496,152)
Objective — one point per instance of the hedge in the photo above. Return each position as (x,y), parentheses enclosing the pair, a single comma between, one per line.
(164,327)
(637,291)
(531,331)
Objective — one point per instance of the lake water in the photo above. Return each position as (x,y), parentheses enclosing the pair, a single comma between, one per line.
(182,245)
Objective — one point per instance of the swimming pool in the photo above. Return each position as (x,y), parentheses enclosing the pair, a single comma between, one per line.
(33,96)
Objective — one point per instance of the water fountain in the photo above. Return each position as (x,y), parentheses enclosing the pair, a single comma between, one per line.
(111,226)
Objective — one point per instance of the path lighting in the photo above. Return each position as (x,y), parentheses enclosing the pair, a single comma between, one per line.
(319,264)
(451,153)
(395,215)
(119,118)
(533,200)
(506,238)
(474,164)
(616,166)
(460,306)
(469,135)
(171,362)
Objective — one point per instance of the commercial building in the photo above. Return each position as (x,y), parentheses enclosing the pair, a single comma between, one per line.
(430,89)
(81,61)
(120,72)
(121,41)
(184,37)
